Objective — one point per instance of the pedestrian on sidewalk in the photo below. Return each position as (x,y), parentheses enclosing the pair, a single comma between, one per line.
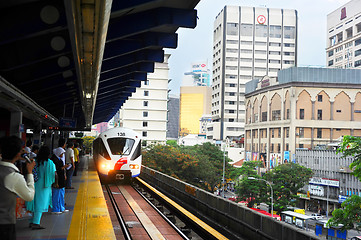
(76,158)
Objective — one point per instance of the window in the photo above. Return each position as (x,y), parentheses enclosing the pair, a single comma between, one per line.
(357,52)
(279,132)
(145,134)
(145,103)
(302,113)
(278,148)
(301,132)
(272,147)
(330,63)
(273,133)
(231,120)
(275,31)
(145,124)
(146,93)
(358,42)
(289,32)
(276,115)
(319,98)
(120,146)
(357,63)
(319,114)
(246,29)
(288,113)
(287,132)
(261,30)
(300,145)
(145,114)
(264,117)
(338,110)
(146,82)
(319,132)
(232,28)
(287,147)
(330,53)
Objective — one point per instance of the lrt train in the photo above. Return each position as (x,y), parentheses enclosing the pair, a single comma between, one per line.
(117,154)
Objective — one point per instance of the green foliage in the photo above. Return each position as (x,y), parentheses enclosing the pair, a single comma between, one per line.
(88,142)
(349,215)
(351,146)
(172,143)
(287,179)
(200,165)
(252,191)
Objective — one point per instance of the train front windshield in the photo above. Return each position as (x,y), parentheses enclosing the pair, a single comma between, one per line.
(120,146)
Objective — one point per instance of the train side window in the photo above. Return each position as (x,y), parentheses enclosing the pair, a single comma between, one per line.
(137,152)
(103,151)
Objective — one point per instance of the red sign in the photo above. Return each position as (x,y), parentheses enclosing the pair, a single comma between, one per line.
(119,164)
(343,13)
(261,19)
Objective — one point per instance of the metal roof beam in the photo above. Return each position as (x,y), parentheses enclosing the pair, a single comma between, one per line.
(140,42)
(151,20)
(139,67)
(148,55)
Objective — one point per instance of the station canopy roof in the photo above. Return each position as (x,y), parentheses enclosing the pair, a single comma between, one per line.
(82,59)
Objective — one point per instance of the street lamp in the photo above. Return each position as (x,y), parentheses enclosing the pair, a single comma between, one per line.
(260,179)
(224,164)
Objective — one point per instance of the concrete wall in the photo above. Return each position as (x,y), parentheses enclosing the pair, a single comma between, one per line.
(247,223)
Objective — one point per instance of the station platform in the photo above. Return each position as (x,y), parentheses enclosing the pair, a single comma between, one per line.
(87,218)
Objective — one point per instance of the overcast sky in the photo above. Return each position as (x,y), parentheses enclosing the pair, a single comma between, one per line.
(195,45)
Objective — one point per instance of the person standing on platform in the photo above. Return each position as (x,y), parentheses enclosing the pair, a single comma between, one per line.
(76,158)
(61,144)
(46,177)
(69,159)
(12,183)
(59,188)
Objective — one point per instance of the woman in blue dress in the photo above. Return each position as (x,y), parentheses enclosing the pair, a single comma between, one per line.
(46,177)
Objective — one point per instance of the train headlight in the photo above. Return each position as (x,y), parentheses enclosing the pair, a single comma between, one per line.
(106,166)
(133,166)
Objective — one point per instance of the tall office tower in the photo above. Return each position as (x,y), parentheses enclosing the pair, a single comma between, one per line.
(194,103)
(173,117)
(146,110)
(199,76)
(344,36)
(248,43)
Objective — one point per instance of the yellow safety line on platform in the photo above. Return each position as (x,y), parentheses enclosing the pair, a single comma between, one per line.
(91,218)
(152,231)
(196,220)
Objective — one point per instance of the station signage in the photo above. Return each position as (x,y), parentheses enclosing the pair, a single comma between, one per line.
(324,182)
(67,123)
(261,19)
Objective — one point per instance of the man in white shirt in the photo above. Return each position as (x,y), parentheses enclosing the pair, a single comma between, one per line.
(12,183)
(69,159)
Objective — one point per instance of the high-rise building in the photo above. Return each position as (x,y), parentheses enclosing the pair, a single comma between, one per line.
(146,110)
(248,43)
(173,117)
(199,76)
(194,103)
(344,36)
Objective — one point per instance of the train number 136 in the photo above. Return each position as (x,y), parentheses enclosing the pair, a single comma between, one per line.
(121,134)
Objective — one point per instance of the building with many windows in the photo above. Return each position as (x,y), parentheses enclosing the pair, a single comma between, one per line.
(199,76)
(248,43)
(146,110)
(173,117)
(304,109)
(344,36)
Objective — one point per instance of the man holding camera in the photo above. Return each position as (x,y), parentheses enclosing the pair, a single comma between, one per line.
(12,184)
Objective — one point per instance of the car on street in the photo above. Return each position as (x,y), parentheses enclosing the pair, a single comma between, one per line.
(316,216)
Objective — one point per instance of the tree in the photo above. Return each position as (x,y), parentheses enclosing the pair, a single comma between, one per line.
(287,179)
(88,142)
(351,146)
(172,143)
(200,165)
(248,190)
(349,215)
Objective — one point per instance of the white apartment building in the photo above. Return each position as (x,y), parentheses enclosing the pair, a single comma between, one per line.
(344,36)
(146,110)
(248,43)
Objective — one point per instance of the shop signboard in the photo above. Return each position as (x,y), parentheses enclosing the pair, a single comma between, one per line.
(324,182)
